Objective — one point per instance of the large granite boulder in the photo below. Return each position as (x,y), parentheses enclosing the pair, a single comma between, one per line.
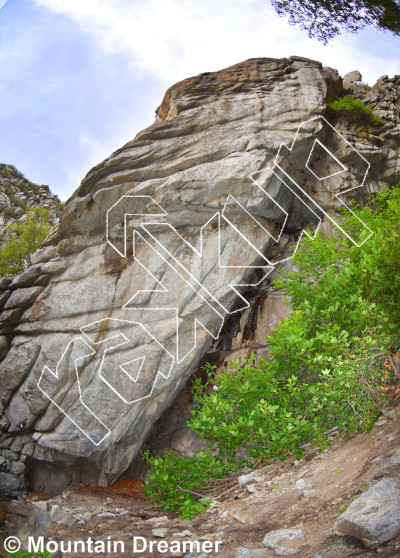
(159,250)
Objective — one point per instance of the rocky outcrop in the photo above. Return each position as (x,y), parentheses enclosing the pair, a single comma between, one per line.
(351,78)
(163,257)
(18,195)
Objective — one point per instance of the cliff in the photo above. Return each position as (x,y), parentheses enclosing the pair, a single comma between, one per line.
(163,256)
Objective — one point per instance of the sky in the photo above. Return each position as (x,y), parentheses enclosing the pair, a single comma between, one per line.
(80,78)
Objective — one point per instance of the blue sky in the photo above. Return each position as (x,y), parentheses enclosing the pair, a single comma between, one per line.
(79,78)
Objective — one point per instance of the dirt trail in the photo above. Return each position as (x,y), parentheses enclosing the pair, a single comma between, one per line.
(309,494)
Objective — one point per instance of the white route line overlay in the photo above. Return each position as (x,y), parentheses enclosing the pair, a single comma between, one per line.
(158,211)
(348,144)
(176,309)
(127,197)
(91,352)
(57,375)
(199,253)
(162,288)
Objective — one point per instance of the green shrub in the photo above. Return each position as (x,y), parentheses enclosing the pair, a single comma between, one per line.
(22,239)
(355,110)
(175,480)
(270,410)
(6,173)
(15,172)
(325,364)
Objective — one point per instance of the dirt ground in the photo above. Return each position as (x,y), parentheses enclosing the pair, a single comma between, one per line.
(308,494)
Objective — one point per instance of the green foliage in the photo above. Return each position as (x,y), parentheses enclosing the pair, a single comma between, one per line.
(176,479)
(325,19)
(342,509)
(22,239)
(6,173)
(365,281)
(355,110)
(325,364)
(270,410)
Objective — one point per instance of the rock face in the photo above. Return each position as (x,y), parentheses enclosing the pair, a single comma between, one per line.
(162,259)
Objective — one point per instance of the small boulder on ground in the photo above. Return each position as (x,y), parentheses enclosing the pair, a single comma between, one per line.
(374,517)
(249,478)
(160,533)
(280,541)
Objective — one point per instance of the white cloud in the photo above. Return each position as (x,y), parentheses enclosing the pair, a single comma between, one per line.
(174,39)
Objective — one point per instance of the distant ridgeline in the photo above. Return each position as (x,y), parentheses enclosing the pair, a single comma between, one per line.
(18,195)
